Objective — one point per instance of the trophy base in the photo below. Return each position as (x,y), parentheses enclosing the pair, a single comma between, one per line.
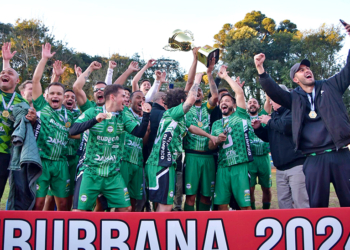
(206,53)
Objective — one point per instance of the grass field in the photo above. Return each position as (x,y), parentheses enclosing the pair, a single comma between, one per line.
(333,200)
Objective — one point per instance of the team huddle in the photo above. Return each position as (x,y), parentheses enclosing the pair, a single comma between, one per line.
(128,146)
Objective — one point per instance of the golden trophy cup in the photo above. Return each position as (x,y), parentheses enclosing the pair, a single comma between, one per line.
(183,41)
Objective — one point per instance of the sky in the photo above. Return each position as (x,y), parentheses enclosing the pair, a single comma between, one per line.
(105,27)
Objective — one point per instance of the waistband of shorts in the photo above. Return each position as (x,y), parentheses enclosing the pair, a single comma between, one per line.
(194,152)
(199,155)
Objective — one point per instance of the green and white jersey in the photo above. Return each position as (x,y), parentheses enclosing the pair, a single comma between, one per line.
(73,144)
(104,148)
(259,147)
(89,104)
(6,125)
(133,145)
(53,134)
(168,143)
(236,148)
(199,117)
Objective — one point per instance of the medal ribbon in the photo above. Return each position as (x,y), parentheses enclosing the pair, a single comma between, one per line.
(4,103)
(312,100)
(105,111)
(65,118)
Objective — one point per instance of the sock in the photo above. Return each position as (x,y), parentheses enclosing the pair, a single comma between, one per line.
(252,204)
(266,205)
(203,207)
(188,207)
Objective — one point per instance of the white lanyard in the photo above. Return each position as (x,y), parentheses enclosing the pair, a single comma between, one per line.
(312,101)
(6,107)
(65,118)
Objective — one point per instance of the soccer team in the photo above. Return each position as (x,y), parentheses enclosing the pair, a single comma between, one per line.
(127,147)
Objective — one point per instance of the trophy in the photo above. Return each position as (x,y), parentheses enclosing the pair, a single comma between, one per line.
(183,41)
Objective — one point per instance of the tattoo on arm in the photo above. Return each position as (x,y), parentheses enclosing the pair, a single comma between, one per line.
(88,74)
(213,89)
(194,90)
(186,107)
(191,98)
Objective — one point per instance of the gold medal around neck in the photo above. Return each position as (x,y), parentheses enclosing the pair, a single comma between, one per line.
(109,116)
(312,114)
(200,124)
(5,113)
(67,125)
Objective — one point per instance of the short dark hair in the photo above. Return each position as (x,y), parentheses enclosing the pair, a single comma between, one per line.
(175,96)
(222,90)
(100,82)
(69,90)
(24,84)
(56,84)
(133,93)
(228,94)
(128,89)
(144,80)
(112,89)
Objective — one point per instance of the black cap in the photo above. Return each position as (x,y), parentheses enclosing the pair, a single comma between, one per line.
(296,67)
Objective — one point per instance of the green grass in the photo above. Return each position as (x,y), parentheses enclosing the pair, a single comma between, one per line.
(333,200)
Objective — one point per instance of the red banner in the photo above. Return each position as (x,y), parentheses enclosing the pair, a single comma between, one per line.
(278,229)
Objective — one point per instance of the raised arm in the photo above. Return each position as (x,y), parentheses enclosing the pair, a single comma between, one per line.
(109,75)
(235,85)
(192,72)
(192,94)
(271,88)
(267,105)
(38,73)
(155,87)
(7,55)
(57,71)
(212,85)
(133,67)
(80,82)
(137,77)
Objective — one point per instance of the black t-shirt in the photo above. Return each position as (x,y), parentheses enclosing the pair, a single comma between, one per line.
(315,137)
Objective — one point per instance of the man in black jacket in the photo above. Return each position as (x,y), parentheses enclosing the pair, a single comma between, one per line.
(321,127)
(290,178)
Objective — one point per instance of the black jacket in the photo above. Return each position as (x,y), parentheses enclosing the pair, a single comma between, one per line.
(328,102)
(278,132)
(156,115)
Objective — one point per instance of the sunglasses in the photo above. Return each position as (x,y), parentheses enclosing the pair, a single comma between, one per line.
(97,89)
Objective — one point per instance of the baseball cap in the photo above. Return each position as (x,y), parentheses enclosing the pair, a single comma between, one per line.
(296,67)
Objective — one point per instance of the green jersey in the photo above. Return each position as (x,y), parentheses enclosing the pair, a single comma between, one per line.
(168,143)
(54,130)
(6,125)
(258,146)
(199,117)
(73,144)
(133,145)
(236,148)
(88,104)
(105,143)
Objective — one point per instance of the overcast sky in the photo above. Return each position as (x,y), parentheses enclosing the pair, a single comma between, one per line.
(105,27)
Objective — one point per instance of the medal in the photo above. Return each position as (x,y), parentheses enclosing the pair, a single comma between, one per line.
(67,125)
(65,118)
(5,113)
(200,124)
(312,114)
(109,116)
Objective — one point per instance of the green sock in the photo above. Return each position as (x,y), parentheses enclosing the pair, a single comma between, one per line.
(252,204)
(188,207)
(203,207)
(266,205)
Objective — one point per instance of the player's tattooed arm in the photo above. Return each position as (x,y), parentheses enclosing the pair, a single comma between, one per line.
(191,97)
(80,82)
(212,85)
(192,72)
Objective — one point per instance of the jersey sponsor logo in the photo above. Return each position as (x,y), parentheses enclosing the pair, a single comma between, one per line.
(231,153)
(56,141)
(110,129)
(165,159)
(58,125)
(105,158)
(134,144)
(247,195)
(188,186)
(107,138)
